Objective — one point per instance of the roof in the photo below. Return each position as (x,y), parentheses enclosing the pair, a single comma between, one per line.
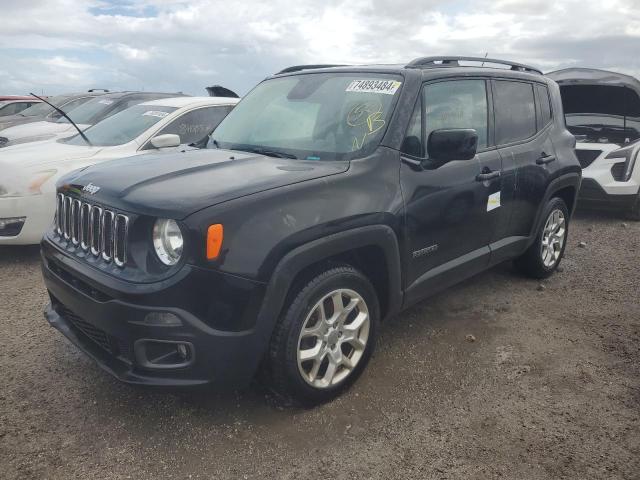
(592,76)
(429,68)
(180,102)
(18,98)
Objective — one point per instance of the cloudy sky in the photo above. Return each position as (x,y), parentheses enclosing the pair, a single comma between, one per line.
(53,46)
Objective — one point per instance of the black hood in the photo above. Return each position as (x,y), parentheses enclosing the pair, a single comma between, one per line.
(174,185)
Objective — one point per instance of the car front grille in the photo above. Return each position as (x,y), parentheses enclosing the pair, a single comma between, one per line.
(587,157)
(94,229)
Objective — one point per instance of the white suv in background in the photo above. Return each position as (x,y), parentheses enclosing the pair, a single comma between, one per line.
(602,110)
(28,172)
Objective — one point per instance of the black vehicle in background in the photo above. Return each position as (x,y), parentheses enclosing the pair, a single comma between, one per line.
(42,111)
(328,200)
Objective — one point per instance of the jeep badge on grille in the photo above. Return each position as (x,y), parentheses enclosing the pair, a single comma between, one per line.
(91,188)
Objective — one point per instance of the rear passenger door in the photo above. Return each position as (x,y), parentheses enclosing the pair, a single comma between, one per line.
(522,129)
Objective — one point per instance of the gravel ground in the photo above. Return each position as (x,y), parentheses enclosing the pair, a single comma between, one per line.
(550,388)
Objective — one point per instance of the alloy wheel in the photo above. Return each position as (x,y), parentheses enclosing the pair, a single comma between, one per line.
(553,237)
(333,338)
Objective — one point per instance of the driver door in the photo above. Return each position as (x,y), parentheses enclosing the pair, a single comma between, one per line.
(451,208)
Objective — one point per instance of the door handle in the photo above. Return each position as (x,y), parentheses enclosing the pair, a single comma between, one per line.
(483,177)
(544,159)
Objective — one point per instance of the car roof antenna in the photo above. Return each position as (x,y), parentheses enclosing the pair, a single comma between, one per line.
(61,112)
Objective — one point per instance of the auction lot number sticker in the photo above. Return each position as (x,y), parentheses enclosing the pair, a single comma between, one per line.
(388,87)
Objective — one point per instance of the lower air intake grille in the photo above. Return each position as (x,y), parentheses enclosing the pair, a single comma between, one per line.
(587,157)
(101,231)
(101,338)
(618,170)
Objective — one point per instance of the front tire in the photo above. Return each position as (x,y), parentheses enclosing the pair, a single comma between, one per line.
(325,339)
(634,212)
(542,258)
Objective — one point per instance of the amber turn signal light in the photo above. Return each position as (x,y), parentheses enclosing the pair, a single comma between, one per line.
(215,234)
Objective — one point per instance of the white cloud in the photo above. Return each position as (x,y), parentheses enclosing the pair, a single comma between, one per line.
(176,45)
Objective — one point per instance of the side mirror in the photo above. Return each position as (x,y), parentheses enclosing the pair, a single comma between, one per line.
(165,141)
(452,144)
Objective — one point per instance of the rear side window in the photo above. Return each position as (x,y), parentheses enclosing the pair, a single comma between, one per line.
(545,105)
(515,111)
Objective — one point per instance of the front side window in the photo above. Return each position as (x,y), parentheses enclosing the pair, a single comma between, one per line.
(515,111)
(457,104)
(122,127)
(316,116)
(193,126)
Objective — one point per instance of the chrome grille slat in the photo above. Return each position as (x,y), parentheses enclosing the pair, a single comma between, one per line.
(106,235)
(75,221)
(67,217)
(100,231)
(85,209)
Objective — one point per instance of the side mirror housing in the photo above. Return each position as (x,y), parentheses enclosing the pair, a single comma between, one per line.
(452,144)
(165,141)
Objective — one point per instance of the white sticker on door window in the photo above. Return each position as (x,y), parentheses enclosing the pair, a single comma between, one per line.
(493,201)
(155,113)
(388,87)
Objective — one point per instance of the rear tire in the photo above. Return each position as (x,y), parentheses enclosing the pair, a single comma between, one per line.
(544,255)
(325,337)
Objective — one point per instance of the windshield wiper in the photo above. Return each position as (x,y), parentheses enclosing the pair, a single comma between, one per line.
(61,112)
(267,152)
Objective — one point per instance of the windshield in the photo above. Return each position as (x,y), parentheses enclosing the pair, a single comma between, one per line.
(122,127)
(85,113)
(320,116)
(42,109)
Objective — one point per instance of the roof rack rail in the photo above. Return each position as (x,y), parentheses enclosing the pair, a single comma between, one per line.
(434,62)
(91,90)
(298,68)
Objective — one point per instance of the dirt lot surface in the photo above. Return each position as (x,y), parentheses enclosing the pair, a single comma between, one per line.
(550,388)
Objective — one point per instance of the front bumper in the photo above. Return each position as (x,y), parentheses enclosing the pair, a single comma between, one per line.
(593,195)
(39,211)
(107,321)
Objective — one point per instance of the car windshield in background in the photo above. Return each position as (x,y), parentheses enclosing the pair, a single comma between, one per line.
(85,113)
(42,109)
(123,127)
(319,116)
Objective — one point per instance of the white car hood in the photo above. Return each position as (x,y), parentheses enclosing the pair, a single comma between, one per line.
(43,154)
(38,131)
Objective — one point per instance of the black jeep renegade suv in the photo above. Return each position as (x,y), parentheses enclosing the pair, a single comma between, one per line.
(331,198)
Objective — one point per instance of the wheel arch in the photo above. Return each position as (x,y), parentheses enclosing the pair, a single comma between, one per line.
(565,187)
(372,249)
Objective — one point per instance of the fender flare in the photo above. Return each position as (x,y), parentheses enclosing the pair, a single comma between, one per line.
(317,250)
(567,180)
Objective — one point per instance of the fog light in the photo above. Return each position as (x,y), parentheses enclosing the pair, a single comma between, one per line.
(182,351)
(162,319)
(11,227)
(163,354)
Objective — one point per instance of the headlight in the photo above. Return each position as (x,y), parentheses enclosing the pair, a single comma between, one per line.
(167,241)
(630,163)
(24,185)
